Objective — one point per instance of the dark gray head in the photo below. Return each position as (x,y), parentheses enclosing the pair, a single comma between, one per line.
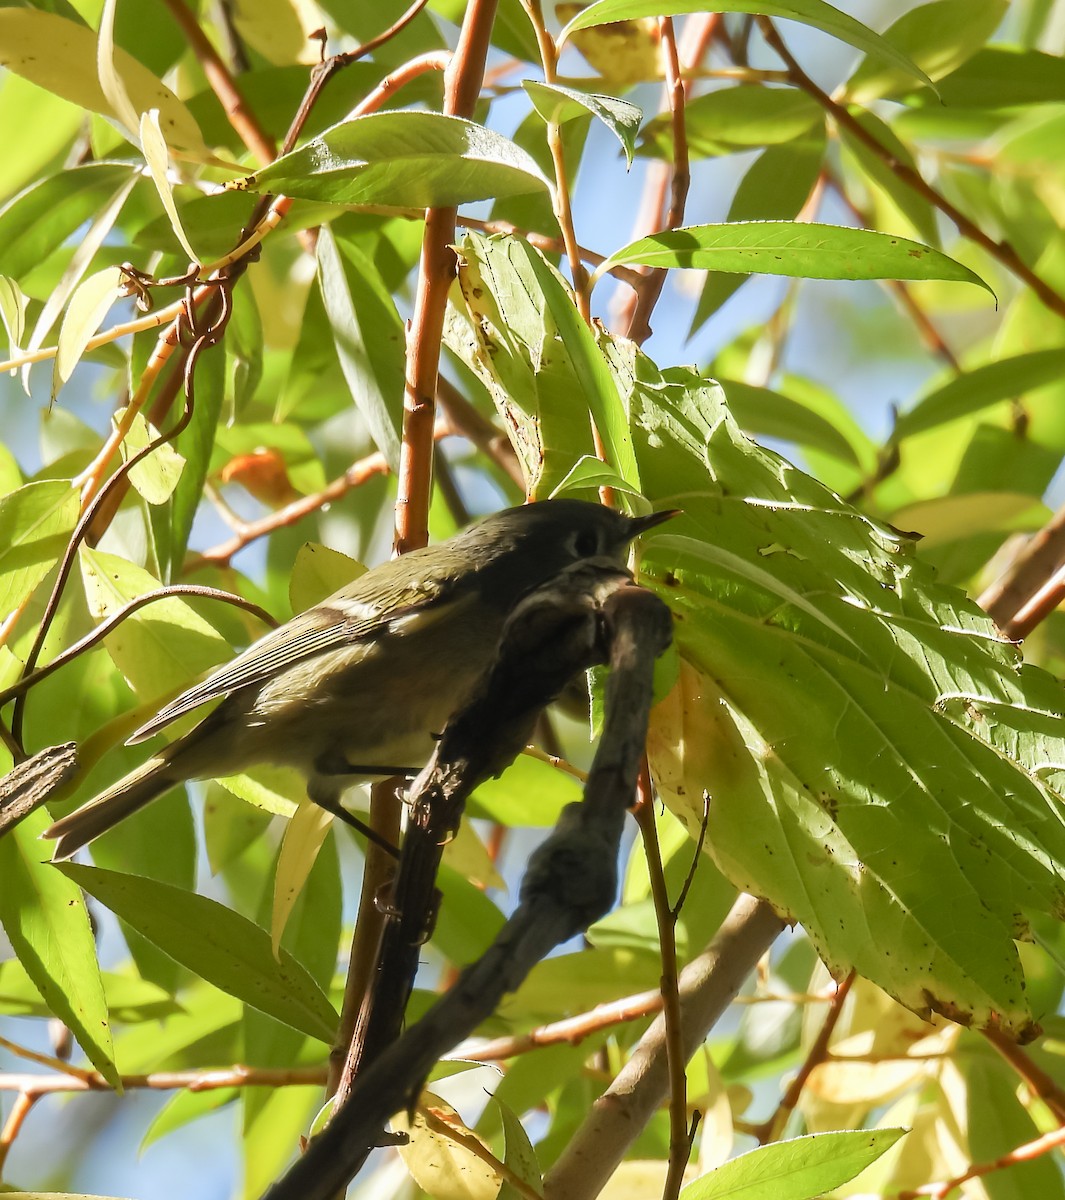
(520,548)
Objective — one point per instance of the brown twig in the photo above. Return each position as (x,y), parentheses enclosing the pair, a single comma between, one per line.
(326,69)
(224,86)
(679,1146)
(771,1129)
(471,424)
(112,622)
(16,1118)
(436,269)
(1039,1083)
(570,1031)
(355,476)
(1001,251)
(1030,587)
(1020,1154)
(678,175)
(204,339)
(560,193)
(199,1080)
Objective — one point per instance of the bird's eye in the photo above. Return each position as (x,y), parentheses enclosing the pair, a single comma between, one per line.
(586,543)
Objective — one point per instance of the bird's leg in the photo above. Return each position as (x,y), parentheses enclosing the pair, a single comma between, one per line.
(325,798)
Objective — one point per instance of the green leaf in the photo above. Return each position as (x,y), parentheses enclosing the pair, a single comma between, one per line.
(589,473)
(515,326)
(47,923)
(318,572)
(60,56)
(949,518)
(13,312)
(39,219)
(156,476)
(406,159)
(35,525)
(764,411)
(913,206)
(129,999)
(162,646)
(735,118)
(799,1169)
(938,37)
(530,792)
(594,378)
(974,390)
(519,1155)
(89,304)
(561,104)
(797,249)
(369,339)
(217,944)
(809,12)
(995,77)
(776,188)
(871,747)
(194,444)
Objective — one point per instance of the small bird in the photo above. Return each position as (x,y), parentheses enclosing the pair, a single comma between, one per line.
(358,685)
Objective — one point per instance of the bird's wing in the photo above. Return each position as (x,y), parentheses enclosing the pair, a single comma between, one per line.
(310,633)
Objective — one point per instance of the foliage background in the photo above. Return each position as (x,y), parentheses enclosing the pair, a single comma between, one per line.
(923,404)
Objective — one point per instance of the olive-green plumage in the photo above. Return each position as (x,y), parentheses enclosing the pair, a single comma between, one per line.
(358,684)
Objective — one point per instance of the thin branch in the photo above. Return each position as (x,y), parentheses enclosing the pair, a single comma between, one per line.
(638,326)
(1030,1151)
(355,476)
(926,327)
(436,270)
(560,193)
(330,66)
(679,1146)
(1013,600)
(224,86)
(471,424)
(115,619)
(386,811)
(1039,1083)
(772,1128)
(204,1079)
(1001,251)
(16,1118)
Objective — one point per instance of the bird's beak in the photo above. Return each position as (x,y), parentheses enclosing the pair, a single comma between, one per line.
(638,525)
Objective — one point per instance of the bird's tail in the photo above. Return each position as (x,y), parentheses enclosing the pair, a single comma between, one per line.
(131,792)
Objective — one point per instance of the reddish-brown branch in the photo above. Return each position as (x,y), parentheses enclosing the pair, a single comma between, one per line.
(355,476)
(16,1118)
(1032,586)
(327,69)
(770,1130)
(1002,251)
(1039,1083)
(663,179)
(436,269)
(224,86)
(1020,1154)
(679,178)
